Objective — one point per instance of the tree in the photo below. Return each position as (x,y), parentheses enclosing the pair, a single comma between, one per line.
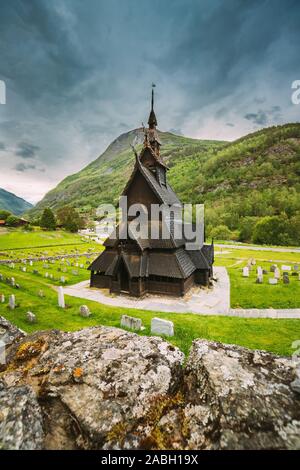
(69,218)
(12,221)
(4,214)
(274,230)
(246,227)
(48,220)
(221,232)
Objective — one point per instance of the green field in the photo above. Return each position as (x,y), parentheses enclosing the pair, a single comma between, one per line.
(272,335)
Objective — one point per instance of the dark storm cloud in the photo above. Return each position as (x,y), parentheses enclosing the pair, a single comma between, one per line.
(21,167)
(78,73)
(26,150)
(262,118)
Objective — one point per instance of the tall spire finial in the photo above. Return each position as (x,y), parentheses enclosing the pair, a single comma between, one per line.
(152,118)
(152,100)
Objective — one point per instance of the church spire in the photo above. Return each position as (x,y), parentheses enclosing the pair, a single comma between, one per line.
(152,118)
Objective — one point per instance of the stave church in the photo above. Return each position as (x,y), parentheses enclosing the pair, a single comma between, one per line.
(135,264)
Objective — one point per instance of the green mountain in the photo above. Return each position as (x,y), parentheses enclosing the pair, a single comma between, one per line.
(250,187)
(12,203)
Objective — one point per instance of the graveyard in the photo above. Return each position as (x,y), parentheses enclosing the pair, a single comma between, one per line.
(34,285)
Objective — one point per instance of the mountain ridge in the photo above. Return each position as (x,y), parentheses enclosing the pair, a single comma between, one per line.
(13,203)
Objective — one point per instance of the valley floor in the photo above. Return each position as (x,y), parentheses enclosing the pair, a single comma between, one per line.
(36,293)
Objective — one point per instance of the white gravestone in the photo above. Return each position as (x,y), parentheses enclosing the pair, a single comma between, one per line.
(277,273)
(31,318)
(259,271)
(12,282)
(162,327)
(286,268)
(273,281)
(246,271)
(259,279)
(30,263)
(2,298)
(62,279)
(131,322)
(61,297)
(12,302)
(84,311)
(46,274)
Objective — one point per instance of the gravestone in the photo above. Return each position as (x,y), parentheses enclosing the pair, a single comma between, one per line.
(162,327)
(84,311)
(286,268)
(74,272)
(265,271)
(24,269)
(17,286)
(30,263)
(277,273)
(273,267)
(12,302)
(285,278)
(2,298)
(62,279)
(76,265)
(131,322)
(273,281)
(246,271)
(259,271)
(81,266)
(259,279)
(35,271)
(12,282)
(12,265)
(46,274)
(296,267)
(61,297)
(31,318)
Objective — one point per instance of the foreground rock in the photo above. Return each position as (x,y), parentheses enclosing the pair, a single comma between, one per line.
(240,399)
(105,388)
(95,385)
(20,419)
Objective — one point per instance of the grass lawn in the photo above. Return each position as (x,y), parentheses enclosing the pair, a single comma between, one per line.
(272,335)
(245,293)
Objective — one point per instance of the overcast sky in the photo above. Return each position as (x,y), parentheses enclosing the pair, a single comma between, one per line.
(78,73)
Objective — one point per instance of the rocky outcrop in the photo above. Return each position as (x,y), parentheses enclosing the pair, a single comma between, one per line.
(104,388)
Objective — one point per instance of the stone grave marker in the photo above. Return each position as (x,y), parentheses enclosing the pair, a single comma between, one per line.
(162,327)
(12,282)
(35,271)
(259,279)
(30,263)
(132,323)
(46,274)
(273,267)
(285,278)
(265,271)
(259,271)
(17,286)
(2,298)
(31,317)
(84,311)
(277,273)
(12,302)
(286,268)
(246,271)
(273,281)
(61,297)
(62,279)
(296,267)
(24,269)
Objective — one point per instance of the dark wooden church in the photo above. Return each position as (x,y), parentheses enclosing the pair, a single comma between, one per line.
(137,265)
